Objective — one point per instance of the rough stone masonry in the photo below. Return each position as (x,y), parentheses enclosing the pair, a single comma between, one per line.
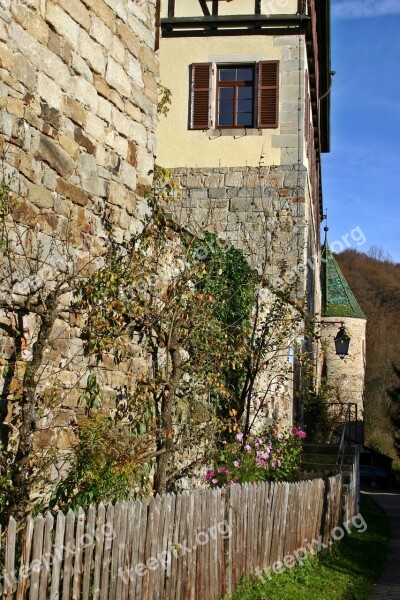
(78,114)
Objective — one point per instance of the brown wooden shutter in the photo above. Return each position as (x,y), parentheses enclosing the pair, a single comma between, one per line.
(200,96)
(268,94)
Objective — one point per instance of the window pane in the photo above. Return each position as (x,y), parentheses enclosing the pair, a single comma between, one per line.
(245,74)
(225,119)
(245,92)
(226,106)
(226,93)
(245,105)
(245,119)
(227,74)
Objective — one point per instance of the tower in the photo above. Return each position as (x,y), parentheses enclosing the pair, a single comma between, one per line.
(345,377)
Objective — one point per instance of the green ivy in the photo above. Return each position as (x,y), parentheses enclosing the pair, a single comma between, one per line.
(228,278)
(231,283)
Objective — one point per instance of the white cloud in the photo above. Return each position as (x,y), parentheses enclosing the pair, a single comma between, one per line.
(359,9)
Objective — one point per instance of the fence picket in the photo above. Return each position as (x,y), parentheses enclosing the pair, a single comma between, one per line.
(141,542)
(170,589)
(115,550)
(36,564)
(57,557)
(108,540)
(130,532)
(79,538)
(25,559)
(136,518)
(98,551)
(121,550)
(166,509)
(69,552)
(46,557)
(9,562)
(89,544)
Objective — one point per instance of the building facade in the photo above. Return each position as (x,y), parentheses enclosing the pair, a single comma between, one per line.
(248,122)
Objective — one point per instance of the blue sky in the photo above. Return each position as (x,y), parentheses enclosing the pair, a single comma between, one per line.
(361,175)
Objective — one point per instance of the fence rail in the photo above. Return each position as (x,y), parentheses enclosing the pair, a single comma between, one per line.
(188,546)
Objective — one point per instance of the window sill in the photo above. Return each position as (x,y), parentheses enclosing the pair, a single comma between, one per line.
(236,133)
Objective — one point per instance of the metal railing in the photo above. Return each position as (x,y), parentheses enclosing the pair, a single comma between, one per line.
(340,455)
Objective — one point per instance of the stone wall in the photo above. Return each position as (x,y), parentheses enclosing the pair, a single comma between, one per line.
(266,212)
(259,210)
(78,96)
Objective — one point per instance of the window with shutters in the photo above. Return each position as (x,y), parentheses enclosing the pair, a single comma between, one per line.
(232,96)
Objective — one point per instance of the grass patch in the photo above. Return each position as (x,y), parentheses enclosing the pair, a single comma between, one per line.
(347,572)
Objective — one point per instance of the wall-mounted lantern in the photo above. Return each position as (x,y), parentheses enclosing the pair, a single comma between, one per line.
(342,342)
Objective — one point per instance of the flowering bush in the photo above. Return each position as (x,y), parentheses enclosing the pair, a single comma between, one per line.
(270,457)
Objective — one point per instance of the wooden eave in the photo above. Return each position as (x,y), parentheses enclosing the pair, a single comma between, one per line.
(324,37)
(232,25)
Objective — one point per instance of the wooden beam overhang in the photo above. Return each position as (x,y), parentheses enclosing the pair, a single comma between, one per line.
(232,25)
(320,74)
(324,35)
(204,8)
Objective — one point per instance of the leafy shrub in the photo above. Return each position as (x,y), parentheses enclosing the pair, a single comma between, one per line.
(109,464)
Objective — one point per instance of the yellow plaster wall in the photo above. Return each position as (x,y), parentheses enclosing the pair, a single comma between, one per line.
(177,146)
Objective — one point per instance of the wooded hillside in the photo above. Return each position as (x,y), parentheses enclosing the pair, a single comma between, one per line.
(375,282)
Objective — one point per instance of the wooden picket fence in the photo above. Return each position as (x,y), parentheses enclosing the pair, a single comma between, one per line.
(188,546)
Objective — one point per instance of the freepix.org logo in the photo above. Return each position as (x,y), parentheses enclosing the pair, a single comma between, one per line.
(356,236)
(313,547)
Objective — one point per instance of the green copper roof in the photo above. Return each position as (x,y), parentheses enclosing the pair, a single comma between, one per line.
(337,298)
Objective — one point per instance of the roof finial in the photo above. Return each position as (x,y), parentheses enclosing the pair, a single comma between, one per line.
(326,228)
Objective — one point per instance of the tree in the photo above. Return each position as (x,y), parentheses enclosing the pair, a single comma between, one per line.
(36,275)
(158,287)
(394,410)
(376,285)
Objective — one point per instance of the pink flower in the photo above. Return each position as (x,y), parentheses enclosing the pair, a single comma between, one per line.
(273,464)
(209,475)
(224,443)
(214,481)
(261,462)
(299,433)
(236,463)
(279,463)
(247,447)
(239,436)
